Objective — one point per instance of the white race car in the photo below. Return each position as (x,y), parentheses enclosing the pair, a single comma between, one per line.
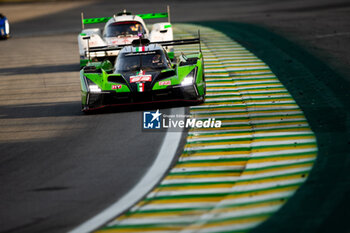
(121,29)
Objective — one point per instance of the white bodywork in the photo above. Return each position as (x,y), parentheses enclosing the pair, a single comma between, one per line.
(160,32)
(7,27)
(5,31)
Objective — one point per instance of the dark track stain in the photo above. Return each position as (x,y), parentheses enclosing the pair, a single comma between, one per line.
(49,189)
(42,69)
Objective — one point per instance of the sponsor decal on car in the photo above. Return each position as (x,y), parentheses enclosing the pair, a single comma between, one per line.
(141,78)
(164,83)
(123,40)
(141,72)
(116,87)
(141,87)
(140,49)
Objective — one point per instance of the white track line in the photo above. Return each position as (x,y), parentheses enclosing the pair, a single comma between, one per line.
(145,185)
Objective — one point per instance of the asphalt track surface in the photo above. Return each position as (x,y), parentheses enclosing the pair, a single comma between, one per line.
(59,167)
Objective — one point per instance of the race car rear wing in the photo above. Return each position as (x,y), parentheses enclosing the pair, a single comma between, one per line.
(143,16)
(107,51)
(178,42)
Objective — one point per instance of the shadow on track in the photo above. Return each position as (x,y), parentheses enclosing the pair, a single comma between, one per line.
(40,110)
(40,69)
(138,107)
(73,109)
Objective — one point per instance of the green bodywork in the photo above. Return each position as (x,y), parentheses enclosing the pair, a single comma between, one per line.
(83,62)
(171,55)
(96,20)
(105,69)
(143,16)
(153,15)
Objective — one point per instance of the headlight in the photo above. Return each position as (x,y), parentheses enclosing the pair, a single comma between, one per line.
(93,88)
(189,79)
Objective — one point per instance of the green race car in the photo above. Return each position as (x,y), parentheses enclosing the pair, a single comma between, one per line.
(142,73)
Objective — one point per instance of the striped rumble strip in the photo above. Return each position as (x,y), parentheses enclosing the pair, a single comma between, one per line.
(229,179)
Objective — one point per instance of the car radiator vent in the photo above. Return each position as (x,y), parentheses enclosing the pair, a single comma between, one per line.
(166,74)
(116,79)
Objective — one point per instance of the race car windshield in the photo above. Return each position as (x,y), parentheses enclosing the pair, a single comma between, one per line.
(148,61)
(124,29)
